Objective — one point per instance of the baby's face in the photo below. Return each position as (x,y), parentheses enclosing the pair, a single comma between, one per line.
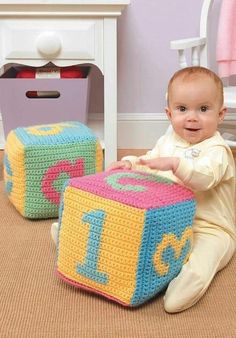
(195,108)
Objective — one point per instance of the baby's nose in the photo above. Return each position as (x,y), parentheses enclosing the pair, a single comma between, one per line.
(192,115)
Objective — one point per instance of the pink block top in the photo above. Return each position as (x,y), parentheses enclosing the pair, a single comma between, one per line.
(134,188)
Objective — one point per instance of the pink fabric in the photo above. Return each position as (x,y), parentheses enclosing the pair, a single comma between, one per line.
(226,39)
(88,288)
(52,174)
(155,194)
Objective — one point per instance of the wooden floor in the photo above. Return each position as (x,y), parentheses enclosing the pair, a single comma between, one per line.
(34,303)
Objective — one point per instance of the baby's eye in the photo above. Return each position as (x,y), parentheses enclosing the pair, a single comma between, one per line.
(203,108)
(182,108)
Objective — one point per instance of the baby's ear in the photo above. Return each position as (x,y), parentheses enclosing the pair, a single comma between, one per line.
(168,112)
(222,113)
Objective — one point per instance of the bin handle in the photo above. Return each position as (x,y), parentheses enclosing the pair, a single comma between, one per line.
(42,94)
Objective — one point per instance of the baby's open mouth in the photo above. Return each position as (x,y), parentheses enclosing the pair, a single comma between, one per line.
(192,129)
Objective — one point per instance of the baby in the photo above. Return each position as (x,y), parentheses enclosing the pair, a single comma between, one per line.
(194,154)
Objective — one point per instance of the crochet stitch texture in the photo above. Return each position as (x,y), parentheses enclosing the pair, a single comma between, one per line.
(39,159)
(124,234)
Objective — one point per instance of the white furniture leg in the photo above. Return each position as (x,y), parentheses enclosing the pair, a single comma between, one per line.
(110,90)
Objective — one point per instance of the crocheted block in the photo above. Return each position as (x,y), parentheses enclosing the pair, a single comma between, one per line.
(39,159)
(124,234)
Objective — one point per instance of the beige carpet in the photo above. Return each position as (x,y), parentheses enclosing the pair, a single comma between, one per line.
(35,303)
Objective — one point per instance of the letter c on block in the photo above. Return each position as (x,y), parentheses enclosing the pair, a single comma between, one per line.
(113,181)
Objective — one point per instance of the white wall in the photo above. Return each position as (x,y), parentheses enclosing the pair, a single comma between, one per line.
(145,64)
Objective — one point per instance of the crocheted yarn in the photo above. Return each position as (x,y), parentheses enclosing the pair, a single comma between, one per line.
(124,234)
(39,159)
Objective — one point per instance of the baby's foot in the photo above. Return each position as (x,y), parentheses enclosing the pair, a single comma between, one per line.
(54,231)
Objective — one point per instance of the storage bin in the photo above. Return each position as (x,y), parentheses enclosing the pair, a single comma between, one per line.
(18,110)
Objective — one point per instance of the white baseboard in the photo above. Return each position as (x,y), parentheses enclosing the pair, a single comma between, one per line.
(135,131)
(140,131)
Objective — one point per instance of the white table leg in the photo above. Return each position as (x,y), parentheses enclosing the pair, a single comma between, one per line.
(110,90)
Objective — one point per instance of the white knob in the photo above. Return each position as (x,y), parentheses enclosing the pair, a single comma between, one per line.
(48,44)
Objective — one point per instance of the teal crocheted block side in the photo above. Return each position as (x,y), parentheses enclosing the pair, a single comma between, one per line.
(50,154)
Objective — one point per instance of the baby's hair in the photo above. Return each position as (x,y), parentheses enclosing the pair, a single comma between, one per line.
(191,72)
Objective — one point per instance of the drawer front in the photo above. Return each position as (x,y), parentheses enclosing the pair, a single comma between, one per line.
(68,39)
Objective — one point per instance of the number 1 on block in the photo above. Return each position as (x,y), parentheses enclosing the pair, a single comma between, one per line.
(89,268)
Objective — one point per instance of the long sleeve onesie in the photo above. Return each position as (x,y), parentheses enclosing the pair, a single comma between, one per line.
(208,169)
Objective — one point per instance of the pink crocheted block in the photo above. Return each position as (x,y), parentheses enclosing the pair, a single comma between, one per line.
(134,188)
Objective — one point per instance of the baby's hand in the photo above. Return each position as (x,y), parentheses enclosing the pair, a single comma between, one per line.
(125,164)
(161,163)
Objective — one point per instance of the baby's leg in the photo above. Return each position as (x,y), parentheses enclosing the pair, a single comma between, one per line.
(212,250)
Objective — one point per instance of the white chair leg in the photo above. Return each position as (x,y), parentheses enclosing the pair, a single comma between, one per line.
(182,59)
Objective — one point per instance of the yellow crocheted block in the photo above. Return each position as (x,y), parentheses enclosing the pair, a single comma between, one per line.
(14,172)
(123,234)
(39,159)
(117,252)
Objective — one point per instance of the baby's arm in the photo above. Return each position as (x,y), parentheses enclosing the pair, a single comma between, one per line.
(130,162)
(161,163)
(202,174)
(207,171)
